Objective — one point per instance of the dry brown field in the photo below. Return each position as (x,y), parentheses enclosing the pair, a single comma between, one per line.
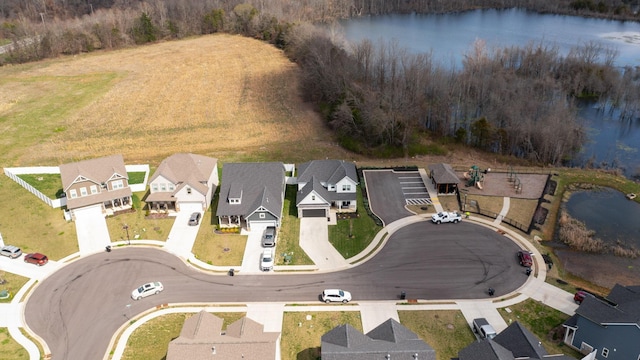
(225,96)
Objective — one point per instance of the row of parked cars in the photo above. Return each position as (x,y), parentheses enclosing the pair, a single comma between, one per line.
(268,243)
(15,252)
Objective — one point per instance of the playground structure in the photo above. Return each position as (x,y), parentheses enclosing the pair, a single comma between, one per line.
(475,176)
(512,176)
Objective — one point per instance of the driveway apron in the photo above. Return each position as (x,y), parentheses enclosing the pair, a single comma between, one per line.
(253,250)
(314,240)
(182,235)
(375,313)
(91,229)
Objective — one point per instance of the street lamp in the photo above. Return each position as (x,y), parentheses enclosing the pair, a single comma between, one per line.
(126,228)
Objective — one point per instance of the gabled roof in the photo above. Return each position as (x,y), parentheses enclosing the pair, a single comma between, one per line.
(390,337)
(623,309)
(485,350)
(327,171)
(313,185)
(187,169)
(521,342)
(261,184)
(202,334)
(98,170)
(443,174)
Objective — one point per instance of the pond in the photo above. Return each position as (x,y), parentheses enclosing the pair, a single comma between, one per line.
(613,218)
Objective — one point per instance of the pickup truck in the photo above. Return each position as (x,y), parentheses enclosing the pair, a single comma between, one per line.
(482,327)
(444,217)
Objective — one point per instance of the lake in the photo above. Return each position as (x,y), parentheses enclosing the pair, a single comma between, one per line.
(449,36)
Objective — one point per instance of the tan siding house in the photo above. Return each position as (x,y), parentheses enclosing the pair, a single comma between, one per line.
(101,181)
(187,180)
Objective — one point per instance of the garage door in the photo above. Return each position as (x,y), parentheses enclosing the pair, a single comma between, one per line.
(314,213)
(190,207)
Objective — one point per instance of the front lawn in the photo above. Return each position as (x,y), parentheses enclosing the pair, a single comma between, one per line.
(12,283)
(446,331)
(138,226)
(225,249)
(289,233)
(352,236)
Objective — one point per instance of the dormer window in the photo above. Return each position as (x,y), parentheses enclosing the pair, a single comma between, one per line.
(234,201)
(313,197)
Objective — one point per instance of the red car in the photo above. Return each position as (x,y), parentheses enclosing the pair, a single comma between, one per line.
(525,259)
(580,295)
(36,258)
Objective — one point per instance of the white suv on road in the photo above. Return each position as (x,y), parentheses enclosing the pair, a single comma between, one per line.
(336,295)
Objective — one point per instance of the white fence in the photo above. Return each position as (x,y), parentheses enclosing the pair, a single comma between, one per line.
(13,173)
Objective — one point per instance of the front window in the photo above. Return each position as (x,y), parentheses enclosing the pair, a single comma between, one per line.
(346,203)
(605,352)
(262,216)
(83,191)
(163,187)
(171,188)
(73,193)
(188,190)
(118,184)
(94,189)
(154,187)
(346,187)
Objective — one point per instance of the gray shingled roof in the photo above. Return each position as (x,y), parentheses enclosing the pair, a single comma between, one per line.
(261,184)
(313,185)
(485,350)
(346,343)
(627,309)
(327,171)
(443,174)
(186,169)
(521,342)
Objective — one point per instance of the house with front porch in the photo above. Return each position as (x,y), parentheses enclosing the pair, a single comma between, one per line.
(101,182)
(610,326)
(251,194)
(324,185)
(183,182)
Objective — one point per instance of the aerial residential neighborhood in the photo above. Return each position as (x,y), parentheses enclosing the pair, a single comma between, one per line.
(249,199)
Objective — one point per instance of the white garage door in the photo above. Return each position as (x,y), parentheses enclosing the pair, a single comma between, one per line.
(91,228)
(191,207)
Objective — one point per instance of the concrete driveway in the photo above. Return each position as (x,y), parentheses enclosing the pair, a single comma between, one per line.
(19,267)
(182,235)
(253,250)
(314,240)
(91,229)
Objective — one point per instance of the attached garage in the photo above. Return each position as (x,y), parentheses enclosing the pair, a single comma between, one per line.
(314,213)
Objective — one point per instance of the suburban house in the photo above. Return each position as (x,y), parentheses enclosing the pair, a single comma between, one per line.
(101,182)
(251,194)
(324,185)
(514,342)
(611,327)
(183,182)
(389,340)
(202,338)
(444,178)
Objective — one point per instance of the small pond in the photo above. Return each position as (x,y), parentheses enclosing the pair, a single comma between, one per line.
(613,217)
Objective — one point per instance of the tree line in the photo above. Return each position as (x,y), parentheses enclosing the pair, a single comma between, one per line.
(379,98)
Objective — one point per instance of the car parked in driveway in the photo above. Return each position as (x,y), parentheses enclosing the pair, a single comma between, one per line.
(269,237)
(266,260)
(525,258)
(336,295)
(147,289)
(580,295)
(10,251)
(36,258)
(194,219)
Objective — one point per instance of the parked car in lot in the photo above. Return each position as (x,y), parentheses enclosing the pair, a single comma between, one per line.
(36,258)
(10,251)
(269,237)
(194,219)
(266,260)
(336,295)
(147,289)
(525,258)
(482,327)
(581,295)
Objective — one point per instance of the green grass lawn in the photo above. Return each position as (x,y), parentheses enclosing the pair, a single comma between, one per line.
(544,322)
(301,337)
(289,232)
(218,249)
(13,284)
(48,184)
(352,236)
(10,349)
(446,331)
(151,340)
(136,177)
(138,224)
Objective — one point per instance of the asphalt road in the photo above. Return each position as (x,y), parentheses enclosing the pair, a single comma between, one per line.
(77,309)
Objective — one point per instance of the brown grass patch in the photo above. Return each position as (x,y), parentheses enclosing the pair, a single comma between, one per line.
(232,97)
(522,210)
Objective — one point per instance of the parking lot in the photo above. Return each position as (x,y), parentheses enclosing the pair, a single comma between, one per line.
(390,191)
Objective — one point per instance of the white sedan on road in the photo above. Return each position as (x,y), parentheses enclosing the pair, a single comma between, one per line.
(147,289)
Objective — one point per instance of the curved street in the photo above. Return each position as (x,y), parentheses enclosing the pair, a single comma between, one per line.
(77,309)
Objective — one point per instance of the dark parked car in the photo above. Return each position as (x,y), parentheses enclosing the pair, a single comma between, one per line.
(11,251)
(580,295)
(36,258)
(525,259)
(194,219)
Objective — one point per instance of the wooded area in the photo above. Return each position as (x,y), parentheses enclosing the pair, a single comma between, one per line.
(380,99)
